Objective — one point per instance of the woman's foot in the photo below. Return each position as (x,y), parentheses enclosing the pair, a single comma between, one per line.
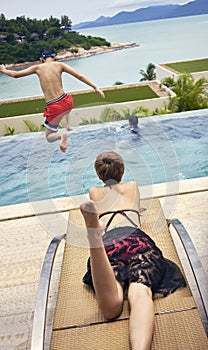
(63,143)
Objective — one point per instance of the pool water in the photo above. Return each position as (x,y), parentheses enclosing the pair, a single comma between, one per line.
(167,148)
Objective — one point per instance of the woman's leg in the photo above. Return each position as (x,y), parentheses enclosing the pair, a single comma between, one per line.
(141,321)
(109,292)
(52,136)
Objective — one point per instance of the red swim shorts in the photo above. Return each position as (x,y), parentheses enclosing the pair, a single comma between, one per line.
(56,109)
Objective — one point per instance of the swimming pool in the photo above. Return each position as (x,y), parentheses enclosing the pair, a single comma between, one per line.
(167,148)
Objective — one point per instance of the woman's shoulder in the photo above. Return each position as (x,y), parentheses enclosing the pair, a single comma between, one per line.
(131,187)
(130,184)
(95,192)
(96,188)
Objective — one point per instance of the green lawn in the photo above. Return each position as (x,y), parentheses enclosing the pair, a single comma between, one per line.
(21,107)
(80,100)
(189,66)
(115,96)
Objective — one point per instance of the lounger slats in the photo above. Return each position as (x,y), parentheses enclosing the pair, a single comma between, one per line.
(179,331)
(170,333)
(79,301)
(79,324)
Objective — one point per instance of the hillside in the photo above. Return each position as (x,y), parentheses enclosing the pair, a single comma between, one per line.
(192,8)
(23,39)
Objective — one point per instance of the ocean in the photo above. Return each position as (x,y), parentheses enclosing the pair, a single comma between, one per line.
(160,41)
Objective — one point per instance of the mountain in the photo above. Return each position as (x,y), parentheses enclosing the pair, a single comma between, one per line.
(192,8)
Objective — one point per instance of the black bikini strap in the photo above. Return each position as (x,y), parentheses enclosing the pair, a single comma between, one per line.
(122,212)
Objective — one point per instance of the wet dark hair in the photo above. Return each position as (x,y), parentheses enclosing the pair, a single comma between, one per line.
(133,119)
(48,52)
(109,165)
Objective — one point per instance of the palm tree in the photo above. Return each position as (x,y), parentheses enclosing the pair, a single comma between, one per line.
(190,94)
(149,74)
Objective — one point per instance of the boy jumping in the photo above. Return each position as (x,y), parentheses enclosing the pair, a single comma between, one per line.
(58,103)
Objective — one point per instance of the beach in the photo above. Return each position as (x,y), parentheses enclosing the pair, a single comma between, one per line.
(74,53)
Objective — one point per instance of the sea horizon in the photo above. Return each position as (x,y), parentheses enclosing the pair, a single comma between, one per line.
(160,41)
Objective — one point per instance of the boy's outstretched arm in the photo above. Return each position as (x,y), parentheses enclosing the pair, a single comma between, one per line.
(77,75)
(18,74)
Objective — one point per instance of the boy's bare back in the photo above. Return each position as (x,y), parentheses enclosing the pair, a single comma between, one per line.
(49,73)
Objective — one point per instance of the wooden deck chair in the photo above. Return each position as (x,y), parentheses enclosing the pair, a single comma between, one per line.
(79,324)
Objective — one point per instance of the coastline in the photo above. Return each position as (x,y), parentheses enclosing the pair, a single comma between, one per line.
(67,55)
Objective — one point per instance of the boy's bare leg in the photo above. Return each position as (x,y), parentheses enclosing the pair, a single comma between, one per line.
(109,292)
(68,127)
(141,321)
(52,136)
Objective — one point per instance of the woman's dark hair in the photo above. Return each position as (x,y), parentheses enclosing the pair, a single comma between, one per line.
(109,165)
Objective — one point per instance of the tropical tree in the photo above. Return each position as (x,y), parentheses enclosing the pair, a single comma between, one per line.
(190,94)
(54,22)
(66,22)
(3,24)
(149,74)
(33,35)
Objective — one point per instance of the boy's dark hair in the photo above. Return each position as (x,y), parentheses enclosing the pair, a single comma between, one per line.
(133,120)
(109,165)
(48,52)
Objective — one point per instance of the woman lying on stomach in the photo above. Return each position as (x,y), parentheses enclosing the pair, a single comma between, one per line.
(123,257)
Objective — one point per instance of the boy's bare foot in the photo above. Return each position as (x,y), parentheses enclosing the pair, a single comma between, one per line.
(63,144)
(69,128)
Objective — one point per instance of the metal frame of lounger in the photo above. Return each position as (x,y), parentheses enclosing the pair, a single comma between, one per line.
(197,269)
(39,322)
(200,277)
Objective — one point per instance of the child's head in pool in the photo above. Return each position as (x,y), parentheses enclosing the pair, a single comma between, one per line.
(133,120)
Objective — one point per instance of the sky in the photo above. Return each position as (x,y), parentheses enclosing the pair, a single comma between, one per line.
(77,10)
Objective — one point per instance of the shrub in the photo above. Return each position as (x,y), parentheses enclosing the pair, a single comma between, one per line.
(110,114)
(32,127)
(9,131)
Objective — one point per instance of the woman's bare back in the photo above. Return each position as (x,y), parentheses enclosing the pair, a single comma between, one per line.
(119,196)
